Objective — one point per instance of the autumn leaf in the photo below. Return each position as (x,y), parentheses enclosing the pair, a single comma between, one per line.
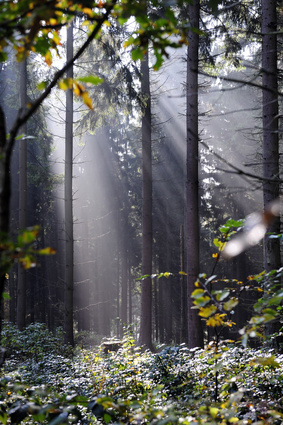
(46,251)
(207,311)
(87,11)
(198,293)
(48,58)
(27,262)
(216,320)
(87,100)
(65,84)
(213,412)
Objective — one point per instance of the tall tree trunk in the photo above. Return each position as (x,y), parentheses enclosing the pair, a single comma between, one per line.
(21,287)
(69,240)
(146,294)
(183,319)
(270,156)
(195,335)
(271,188)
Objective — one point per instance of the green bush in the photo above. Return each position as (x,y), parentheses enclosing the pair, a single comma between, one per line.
(35,341)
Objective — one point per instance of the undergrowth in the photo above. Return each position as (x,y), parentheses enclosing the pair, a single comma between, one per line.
(174,386)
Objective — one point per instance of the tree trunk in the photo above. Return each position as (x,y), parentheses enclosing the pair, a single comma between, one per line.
(69,240)
(270,156)
(146,294)
(183,319)
(271,188)
(195,336)
(21,287)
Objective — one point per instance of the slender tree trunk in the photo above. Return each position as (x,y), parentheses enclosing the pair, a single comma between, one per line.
(271,189)
(69,240)
(124,286)
(183,330)
(5,195)
(146,295)
(21,287)
(195,336)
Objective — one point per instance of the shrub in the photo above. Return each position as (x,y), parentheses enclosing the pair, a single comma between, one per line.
(33,342)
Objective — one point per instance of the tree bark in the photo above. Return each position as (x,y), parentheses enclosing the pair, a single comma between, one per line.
(21,286)
(69,239)
(195,335)
(146,293)
(271,189)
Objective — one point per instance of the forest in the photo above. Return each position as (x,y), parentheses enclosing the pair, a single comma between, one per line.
(140,202)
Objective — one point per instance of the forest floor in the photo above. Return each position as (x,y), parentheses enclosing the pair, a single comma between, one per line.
(44,382)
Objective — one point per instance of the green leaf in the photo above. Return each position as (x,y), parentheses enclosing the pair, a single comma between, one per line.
(202,301)
(267,361)
(42,85)
(159,61)
(145,276)
(28,236)
(3,417)
(165,274)
(221,295)
(3,58)
(91,79)
(229,305)
(197,293)
(6,296)
(137,54)
(107,418)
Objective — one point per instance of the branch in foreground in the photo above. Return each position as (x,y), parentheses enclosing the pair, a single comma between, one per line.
(23,118)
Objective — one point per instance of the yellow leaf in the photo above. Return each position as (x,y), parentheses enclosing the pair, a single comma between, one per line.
(65,84)
(197,293)
(213,412)
(216,320)
(56,38)
(87,11)
(47,251)
(207,311)
(183,273)
(20,49)
(87,100)
(78,89)
(52,21)
(48,58)
(214,255)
